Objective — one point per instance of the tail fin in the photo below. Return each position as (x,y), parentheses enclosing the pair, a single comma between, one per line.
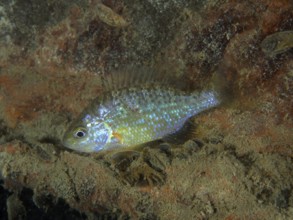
(222,87)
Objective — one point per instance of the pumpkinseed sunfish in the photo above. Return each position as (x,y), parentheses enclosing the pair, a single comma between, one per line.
(135,114)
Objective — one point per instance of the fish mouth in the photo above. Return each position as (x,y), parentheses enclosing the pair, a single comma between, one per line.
(74,145)
(67,141)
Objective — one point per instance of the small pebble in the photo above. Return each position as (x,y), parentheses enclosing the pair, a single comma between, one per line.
(216,139)
(166,148)
(15,208)
(190,144)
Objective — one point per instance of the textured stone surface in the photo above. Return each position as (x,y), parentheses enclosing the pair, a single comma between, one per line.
(50,56)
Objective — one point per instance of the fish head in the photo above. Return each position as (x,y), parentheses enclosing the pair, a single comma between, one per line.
(88,135)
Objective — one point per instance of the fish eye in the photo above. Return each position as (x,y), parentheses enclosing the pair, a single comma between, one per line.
(80,133)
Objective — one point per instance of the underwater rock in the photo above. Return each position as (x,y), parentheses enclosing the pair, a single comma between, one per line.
(50,56)
(15,208)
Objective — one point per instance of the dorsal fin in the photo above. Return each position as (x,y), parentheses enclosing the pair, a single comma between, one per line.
(133,76)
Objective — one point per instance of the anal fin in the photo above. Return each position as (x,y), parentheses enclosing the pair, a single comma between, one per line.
(182,135)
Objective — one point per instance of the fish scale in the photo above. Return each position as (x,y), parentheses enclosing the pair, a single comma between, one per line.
(136,115)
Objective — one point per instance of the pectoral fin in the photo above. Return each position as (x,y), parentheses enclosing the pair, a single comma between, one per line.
(118,137)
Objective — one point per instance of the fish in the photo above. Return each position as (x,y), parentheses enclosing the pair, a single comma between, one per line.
(277,43)
(135,114)
(109,17)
